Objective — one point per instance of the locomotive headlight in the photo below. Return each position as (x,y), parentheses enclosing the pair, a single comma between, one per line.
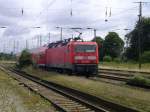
(78,57)
(92,57)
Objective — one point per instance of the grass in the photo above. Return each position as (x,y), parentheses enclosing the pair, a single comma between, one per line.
(7,62)
(125,66)
(139,81)
(15,98)
(135,98)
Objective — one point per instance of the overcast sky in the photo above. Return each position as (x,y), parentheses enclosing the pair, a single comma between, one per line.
(21,16)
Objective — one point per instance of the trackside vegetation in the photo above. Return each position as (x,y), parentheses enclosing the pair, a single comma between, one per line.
(14,97)
(146,57)
(139,81)
(113,46)
(107,59)
(25,59)
(116,64)
(132,52)
(7,56)
(132,97)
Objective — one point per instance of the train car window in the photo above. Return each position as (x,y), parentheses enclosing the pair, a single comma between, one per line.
(85,48)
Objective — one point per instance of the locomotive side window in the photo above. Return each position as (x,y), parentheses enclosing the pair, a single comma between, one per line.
(85,48)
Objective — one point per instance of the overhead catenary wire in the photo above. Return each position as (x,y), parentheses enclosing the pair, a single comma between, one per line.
(71,10)
(44,9)
(122,12)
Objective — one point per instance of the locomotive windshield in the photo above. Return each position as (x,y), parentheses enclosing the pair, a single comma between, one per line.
(85,48)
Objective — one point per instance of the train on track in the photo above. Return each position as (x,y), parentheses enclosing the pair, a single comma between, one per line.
(70,55)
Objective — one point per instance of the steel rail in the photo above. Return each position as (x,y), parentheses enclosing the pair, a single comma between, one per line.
(124,71)
(95,103)
(61,90)
(113,77)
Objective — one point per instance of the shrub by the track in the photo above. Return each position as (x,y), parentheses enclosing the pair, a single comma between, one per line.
(139,81)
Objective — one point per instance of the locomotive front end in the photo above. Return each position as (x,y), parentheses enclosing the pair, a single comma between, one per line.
(86,57)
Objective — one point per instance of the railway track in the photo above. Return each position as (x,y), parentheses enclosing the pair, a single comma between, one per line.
(115,75)
(125,72)
(57,97)
(120,75)
(67,99)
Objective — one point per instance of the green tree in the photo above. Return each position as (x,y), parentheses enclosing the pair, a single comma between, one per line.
(113,45)
(99,42)
(7,56)
(144,29)
(25,59)
(146,57)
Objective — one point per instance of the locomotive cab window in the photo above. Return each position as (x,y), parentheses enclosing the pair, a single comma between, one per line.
(85,48)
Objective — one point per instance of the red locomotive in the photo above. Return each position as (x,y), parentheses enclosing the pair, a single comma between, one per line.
(69,55)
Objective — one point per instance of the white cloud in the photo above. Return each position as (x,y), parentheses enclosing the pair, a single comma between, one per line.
(48,14)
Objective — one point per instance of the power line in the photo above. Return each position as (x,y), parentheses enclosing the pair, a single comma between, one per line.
(71,11)
(115,14)
(49,4)
(125,11)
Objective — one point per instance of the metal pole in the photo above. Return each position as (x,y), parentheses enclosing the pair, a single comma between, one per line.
(4,48)
(139,38)
(95,34)
(26,44)
(49,37)
(40,41)
(139,32)
(37,41)
(14,47)
(17,46)
(61,33)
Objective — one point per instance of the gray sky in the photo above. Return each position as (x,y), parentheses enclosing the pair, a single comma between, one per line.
(48,14)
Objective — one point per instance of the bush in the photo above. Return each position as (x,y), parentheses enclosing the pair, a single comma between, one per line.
(107,59)
(6,56)
(146,57)
(25,59)
(139,81)
(117,60)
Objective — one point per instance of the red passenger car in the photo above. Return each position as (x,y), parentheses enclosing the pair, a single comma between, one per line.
(69,55)
(39,56)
